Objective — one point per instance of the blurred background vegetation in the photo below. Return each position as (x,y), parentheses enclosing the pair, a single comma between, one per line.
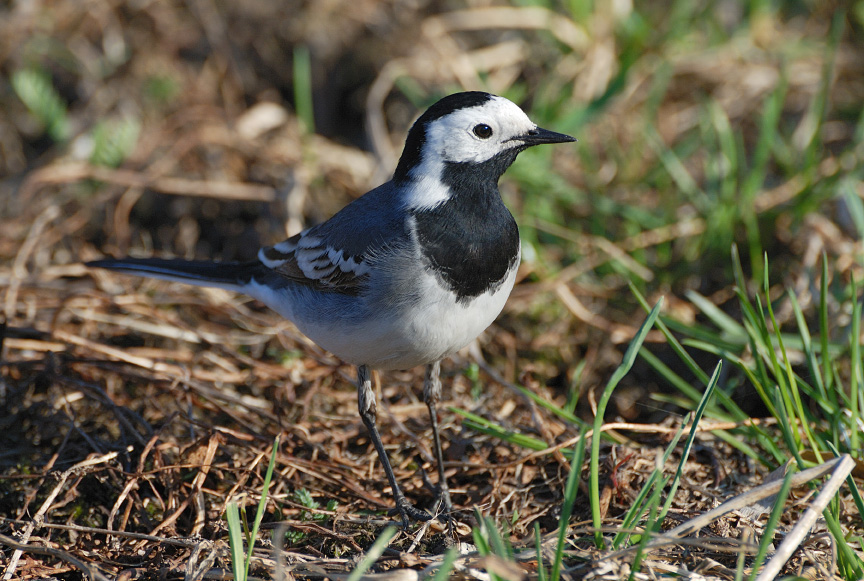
(720,158)
(205,128)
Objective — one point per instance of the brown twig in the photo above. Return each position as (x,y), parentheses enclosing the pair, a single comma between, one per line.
(38,518)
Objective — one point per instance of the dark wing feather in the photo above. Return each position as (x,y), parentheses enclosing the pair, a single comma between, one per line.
(335,255)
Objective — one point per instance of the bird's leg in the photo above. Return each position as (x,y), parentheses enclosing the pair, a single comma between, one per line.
(432,395)
(368,413)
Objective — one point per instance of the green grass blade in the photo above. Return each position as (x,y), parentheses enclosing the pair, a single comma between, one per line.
(855,368)
(114,141)
(538,543)
(235,541)
(573,392)
(850,482)
(688,444)
(673,342)
(485,426)
(824,329)
(489,529)
(854,204)
(670,376)
(735,412)
(768,535)
(262,503)
(676,168)
(643,540)
(376,550)
(446,567)
(571,489)
(723,321)
(548,405)
(771,112)
(819,105)
(848,560)
(789,388)
(303,100)
(809,352)
(620,372)
(36,90)
(639,505)
(481,540)
(739,444)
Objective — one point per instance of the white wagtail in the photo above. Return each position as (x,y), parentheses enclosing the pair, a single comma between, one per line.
(408,273)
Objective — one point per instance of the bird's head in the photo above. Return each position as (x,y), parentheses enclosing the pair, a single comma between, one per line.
(474,129)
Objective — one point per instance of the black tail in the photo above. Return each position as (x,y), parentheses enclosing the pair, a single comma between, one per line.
(232,275)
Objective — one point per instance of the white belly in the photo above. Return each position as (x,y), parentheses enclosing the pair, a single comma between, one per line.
(437,328)
(412,322)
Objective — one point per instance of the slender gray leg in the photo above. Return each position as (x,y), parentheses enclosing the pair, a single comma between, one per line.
(368,413)
(432,395)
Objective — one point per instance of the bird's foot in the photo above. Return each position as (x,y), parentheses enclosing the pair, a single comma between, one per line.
(446,504)
(442,495)
(446,513)
(408,512)
(443,505)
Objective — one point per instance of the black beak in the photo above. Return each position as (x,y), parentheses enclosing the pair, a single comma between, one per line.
(539,136)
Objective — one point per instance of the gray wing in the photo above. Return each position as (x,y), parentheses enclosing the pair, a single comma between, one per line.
(336,254)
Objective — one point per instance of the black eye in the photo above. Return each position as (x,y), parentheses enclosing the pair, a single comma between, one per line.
(483,131)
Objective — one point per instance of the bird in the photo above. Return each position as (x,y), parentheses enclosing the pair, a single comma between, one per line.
(405,275)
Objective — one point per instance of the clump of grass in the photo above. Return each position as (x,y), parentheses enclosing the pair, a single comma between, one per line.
(114,141)
(817,413)
(238,529)
(304,498)
(36,90)
(487,537)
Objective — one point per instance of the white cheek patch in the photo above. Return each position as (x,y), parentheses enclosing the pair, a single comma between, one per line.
(452,138)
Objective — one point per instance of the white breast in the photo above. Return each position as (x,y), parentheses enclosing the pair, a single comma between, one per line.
(440,325)
(407,319)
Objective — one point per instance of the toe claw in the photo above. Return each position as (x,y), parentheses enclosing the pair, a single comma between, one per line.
(408,512)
